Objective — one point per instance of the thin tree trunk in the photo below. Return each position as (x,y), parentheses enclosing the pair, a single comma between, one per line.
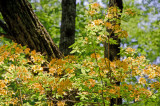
(67,38)
(67,26)
(112,50)
(24,27)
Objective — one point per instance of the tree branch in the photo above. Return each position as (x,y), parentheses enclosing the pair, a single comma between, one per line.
(3,26)
(3,34)
(7,36)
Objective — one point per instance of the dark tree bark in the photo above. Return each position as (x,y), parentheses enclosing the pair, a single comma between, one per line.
(23,26)
(67,26)
(112,50)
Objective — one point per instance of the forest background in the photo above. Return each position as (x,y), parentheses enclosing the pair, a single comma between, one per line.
(140,25)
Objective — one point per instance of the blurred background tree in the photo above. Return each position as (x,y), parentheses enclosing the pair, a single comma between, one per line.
(142,26)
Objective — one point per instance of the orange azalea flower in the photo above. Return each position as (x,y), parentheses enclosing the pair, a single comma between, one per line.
(92,12)
(123,34)
(18,50)
(112,91)
(27,50)
(97,22)
(95,6)
(33,52)
(108,25)
(142,80)
(130,50)
(60,103)
(109,16)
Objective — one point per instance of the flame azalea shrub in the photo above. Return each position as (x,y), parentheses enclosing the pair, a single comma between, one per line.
(23,80)
(96,76)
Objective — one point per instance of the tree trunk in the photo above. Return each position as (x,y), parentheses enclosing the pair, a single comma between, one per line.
(67,26)
(112,50)
(24,27)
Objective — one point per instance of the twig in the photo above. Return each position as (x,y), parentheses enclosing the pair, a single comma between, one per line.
(99,75)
